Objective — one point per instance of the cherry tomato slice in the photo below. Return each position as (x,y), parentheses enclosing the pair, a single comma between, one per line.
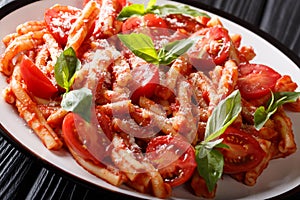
(59,20)
(131,24)
(256,80)
(244,151)
(173,157)
(82,138)
(183,22)
(148,20)
(214,46)
(145,79)
(37,82)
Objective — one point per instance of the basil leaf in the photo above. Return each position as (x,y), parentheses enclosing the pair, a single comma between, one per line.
(210,167)
(285,97)
(210,161)
(173,50)
(168,9)
(262,115)
(141,45)
(65,68)
(78,101)
(223,115)
(150,4)
(131,10)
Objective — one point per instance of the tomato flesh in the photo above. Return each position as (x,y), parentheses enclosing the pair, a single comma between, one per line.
(173,157)
(148,20)
(244,152)
(37,82)
(145,79)
(211,50)
(81,138)
(59,20)
(256,80)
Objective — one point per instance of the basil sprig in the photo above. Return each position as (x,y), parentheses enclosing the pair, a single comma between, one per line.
(210,161)
(65,68)
(78,101)
(262,114)
(140,10)
(142,46)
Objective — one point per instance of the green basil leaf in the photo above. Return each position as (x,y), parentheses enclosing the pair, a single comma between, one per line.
(131,10)
(223,115)
(210,167)
(262,115)
(168,9)
(212,144)
(222,145)
(65,68)
(140,10)
(150,4)
(78,101)
(285,97)
(141,45)
(173,50)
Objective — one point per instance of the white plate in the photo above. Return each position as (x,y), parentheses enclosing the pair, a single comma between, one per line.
(281,175)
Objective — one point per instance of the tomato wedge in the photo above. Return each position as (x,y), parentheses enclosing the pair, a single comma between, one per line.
(37,82)
(59,20)
(82,138)
(173,157)
(244,151)
(148,20)
(214,45)
(145,79)
(184,23)
(256,80)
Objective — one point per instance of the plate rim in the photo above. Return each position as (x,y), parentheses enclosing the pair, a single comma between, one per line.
(15,5)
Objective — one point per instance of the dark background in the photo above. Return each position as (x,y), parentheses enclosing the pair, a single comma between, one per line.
(23,176)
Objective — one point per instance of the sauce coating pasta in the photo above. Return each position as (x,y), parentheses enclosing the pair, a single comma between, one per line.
(148,106)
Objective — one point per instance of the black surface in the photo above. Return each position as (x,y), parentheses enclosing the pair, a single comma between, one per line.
(23,176)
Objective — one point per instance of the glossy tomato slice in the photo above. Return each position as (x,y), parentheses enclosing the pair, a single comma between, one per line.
(59,20)
(244,152)
(256,80)
(37,82)
(214,45)
(184,23)
(173,157)
(145,79)
(131,24)
(82,138)
(148,20)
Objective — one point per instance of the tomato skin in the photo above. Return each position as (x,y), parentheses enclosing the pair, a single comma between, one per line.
(148,20)
(256,80)
(37,83)
(244,151)
(75,130)
(152,20)
(145,79)
(163,148)
(183,22)
(131,24)
(59,20)
(212,49)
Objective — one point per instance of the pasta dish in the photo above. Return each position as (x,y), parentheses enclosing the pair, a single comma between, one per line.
(150,96)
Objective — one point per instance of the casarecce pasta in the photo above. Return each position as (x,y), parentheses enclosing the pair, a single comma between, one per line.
(147,116)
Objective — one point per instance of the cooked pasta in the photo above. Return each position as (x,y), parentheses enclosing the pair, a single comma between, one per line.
(147,118)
